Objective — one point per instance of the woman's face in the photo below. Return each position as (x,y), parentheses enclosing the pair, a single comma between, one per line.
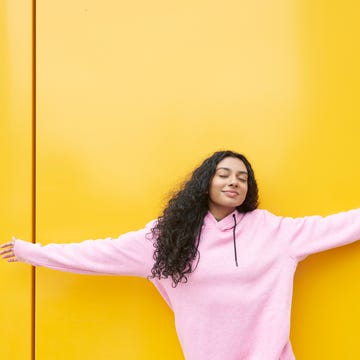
(228,187)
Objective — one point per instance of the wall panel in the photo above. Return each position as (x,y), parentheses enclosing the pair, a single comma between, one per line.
(15,179)
(131,96)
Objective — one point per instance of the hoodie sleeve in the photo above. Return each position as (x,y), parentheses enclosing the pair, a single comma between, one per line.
(130,254)
(312,234)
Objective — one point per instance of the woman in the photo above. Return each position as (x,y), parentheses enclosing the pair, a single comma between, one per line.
(224,267)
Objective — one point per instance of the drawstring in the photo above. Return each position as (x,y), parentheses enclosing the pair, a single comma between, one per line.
(234,238)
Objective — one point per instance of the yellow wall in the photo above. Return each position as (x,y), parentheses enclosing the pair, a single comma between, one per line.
(15,178)
(133,95)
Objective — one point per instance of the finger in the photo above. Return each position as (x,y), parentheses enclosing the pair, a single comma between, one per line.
(10,243)
(9,250)
(7,256)
(12,260)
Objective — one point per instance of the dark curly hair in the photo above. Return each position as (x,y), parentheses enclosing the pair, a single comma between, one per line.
(177,231)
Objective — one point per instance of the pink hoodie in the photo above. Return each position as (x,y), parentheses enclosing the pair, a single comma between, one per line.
(236,304)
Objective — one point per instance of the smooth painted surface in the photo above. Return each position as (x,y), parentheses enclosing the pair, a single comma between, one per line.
(132,96)
(15,179)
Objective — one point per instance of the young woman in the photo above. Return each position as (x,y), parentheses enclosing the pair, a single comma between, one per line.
(224,267)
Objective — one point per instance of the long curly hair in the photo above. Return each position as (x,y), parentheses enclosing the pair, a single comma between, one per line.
(178,229)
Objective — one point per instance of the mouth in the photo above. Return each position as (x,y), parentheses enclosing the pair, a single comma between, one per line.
(231,193)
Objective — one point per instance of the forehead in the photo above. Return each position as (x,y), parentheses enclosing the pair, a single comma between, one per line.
(232,163)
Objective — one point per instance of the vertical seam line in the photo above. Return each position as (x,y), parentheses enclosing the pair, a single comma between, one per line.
(33,170)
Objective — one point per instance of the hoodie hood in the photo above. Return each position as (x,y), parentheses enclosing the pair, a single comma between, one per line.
(227,223)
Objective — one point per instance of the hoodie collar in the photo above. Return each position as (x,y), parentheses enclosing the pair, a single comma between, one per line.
(226,223)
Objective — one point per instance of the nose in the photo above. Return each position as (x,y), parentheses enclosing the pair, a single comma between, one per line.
(233,181)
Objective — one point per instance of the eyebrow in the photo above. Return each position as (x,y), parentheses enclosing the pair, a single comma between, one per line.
(225,168)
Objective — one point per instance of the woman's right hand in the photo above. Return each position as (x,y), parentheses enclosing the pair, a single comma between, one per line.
(7,252)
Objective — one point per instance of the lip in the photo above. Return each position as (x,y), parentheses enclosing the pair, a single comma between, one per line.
(231,193)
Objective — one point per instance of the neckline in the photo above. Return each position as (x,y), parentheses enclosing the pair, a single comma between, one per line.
(224,224)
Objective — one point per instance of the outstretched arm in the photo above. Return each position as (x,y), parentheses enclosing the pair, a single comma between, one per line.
(312,234)
(130,254)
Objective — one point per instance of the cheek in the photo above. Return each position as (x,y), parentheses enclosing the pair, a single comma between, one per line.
(213,189)
(245,189)
(212,185)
